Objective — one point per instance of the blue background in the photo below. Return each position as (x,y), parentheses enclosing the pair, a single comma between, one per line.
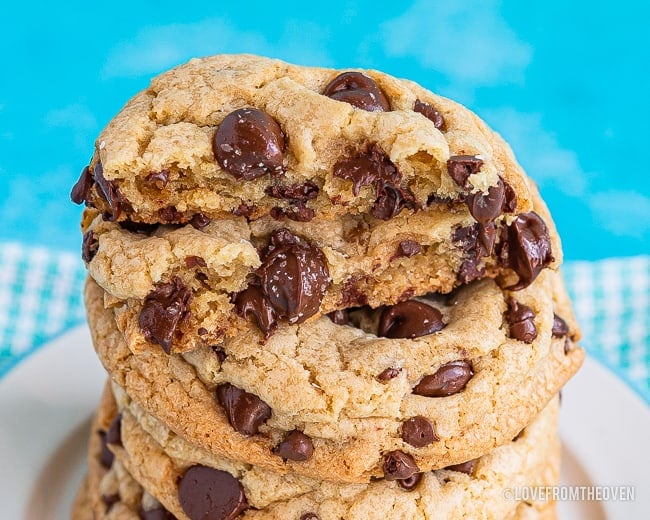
(566,83)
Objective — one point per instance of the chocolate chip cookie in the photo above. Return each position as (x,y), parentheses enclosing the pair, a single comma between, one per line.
(189,483)
(440,380)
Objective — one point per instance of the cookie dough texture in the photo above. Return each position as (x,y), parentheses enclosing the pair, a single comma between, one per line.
(170,126)
(142,465)
(320,378)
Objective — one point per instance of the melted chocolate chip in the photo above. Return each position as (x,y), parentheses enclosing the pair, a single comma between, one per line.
(449,379)
(388,374)
(418,431)
(298,213)
(249,143)
(220,353)
(295,446)
(89,246)
(399,466)
(294,277)
(560,327)
(111,194)
(409,319)
(295,192)
(485,207)
(409,484)
(460,167)
(243,210)
(206,493)
(138,227)
(110,500)
(391,200)
(251,303)
(407,248)
(309,516)
(470,270)
(510,202)
(164,309)
(527,248)
(340,317)
(114,433)
(245,411)
(82,187)
(199,221)
(567,346)
(192,261)
(159,513)
(106,456)
(430,113)
(358,90)
(522,321)
(158,179)
(463,467)
(351,295)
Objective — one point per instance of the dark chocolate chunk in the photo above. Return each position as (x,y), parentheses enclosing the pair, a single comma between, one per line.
(164,309)
(220,353)
(110,500)
(521,319)
(192,261)
(295,192)
(470,270)
(82,187)
(351,295)
(158,179)
(418,431)
(407,248)
(527,248)
(359,90)
(159,513)
(399,466)
(199,221)
(460,167)
(114,433)
(409,319)
(340,317)
(251,303)
(449,379)
(560,327)
(463,467)
(298,213)
(295,446)
(249,143)
(89,246)
(106,456)
(391,200)
(138,227)
(294,277)
(430,113)
(245,411)
(309,516)
(206,493)
(170,215)
(485,207)
(388,374)
(111,194)
(510,202)
(243,210)
(409,484)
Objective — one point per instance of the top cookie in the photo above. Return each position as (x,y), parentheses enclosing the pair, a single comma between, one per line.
(251,136)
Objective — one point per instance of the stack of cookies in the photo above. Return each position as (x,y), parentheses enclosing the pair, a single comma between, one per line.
(318,295)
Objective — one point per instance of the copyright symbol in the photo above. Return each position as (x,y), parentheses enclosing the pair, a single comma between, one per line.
(508,494)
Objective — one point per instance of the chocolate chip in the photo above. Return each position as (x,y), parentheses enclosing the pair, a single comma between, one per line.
(111,194)
(510,202)
(340,317)
(158,513)
(409,319)
(560,327)
(295,192)
(527,248)
(89,246)
(294,277)
(463,467)
(164,309)
(251,303)
(449,379)
(248,144)
(399,466)
(110,500)
(106,456)
(298,213)
(567,346)
(199,221)
(430,113)
(391,200)
(409,484)
(470,270)
(220,353)
(206,493)
(460,167)
(359,90)
(309,516)
(114,433)
(485,207)
(388,374)
(295,446)
(82,187)
(245,411)
(351,295)
(522,321)
(243,210)
(192,261)
(138,227)
(158,179)
(418,431)
(407,248)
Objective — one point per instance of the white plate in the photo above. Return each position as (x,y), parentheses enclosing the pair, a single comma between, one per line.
(46,402)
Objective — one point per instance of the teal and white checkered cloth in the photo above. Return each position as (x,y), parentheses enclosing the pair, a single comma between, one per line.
(40,297)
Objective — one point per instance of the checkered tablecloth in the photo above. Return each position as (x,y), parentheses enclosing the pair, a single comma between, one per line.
(40,297)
